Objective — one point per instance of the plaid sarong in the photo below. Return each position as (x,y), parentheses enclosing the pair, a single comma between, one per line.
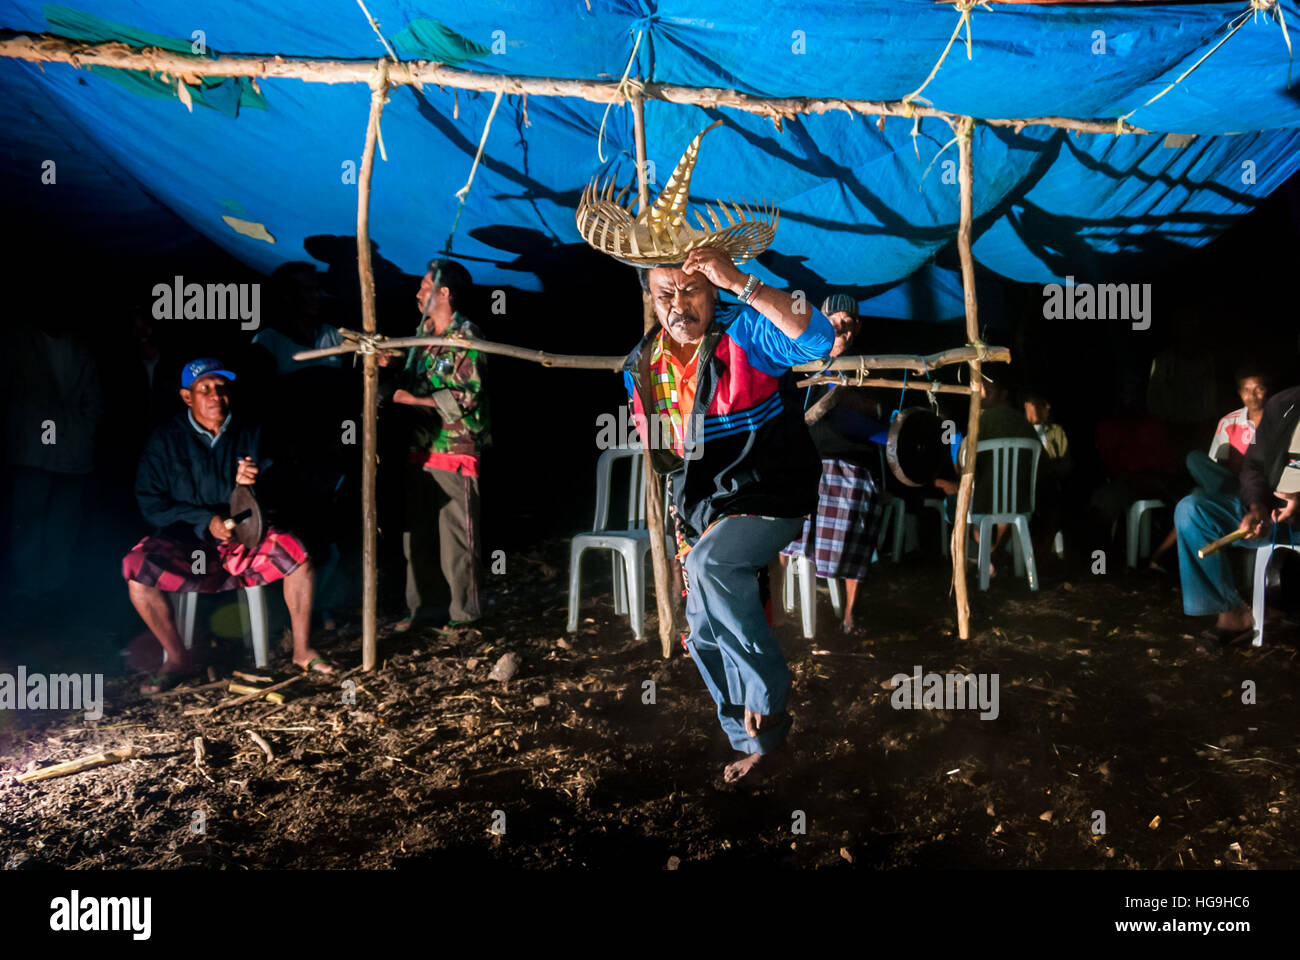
(170,565)
(842,538)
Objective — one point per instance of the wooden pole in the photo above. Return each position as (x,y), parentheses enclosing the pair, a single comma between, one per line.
(47,48)
(654,484)
(965,179)
(370,381)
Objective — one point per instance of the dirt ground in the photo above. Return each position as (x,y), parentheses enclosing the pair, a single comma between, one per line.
(1109,701)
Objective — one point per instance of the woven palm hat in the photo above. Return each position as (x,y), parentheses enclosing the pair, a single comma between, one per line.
(661,235)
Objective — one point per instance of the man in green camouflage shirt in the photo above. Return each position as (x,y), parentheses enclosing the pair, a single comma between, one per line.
(444,387)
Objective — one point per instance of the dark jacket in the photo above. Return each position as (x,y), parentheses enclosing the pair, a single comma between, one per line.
(748,450)
(1268,455)
(182,482)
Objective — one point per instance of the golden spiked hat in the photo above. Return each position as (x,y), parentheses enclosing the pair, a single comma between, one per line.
(660,235)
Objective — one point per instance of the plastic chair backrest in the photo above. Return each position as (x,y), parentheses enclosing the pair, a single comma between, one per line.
(1006,454)
(635,491)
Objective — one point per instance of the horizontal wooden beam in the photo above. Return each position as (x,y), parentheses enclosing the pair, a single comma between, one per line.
(859,364)
(46,48)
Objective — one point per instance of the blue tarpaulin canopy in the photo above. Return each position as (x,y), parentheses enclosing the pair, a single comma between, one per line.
(863,206)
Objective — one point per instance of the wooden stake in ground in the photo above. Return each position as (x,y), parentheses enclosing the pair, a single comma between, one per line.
(654,484)
(370,381)
(76,766)
(965,178)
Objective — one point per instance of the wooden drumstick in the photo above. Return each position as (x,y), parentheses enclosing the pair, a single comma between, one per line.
(1217,545)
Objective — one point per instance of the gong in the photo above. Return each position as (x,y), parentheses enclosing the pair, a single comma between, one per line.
(245,520)
(1282,584)
(915,448)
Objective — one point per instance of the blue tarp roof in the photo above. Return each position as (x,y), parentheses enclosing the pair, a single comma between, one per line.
(858,208)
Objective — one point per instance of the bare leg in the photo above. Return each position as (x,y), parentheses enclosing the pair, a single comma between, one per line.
(156,611)
(1165,546)
(749,766)
(298,597)
(999,531)
(850,597)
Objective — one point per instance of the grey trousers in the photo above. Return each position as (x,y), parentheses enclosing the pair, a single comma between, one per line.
(441,543)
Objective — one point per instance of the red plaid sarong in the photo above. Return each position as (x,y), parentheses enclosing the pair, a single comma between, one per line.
(843,537)
(169,564)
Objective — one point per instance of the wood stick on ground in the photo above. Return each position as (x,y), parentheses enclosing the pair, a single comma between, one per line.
(203,711)
(245,688)
(177,691)
(76,766)
(266,747)
(251,677)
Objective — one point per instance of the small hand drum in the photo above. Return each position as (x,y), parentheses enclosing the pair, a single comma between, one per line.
(915,448)
(245,520)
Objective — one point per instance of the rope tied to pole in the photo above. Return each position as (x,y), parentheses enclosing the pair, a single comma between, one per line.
(1274,7)
(1254,8)
(623,91)
(378,84)
(964,7)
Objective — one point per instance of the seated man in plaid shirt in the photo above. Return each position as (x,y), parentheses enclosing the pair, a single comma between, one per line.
(187,473)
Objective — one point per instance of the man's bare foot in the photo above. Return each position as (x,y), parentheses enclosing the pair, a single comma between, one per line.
(313,662)
(1236,621)
(751,767)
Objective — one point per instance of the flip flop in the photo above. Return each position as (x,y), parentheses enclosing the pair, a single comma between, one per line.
(451,626)
(163,681)
(311,666)
(403,625)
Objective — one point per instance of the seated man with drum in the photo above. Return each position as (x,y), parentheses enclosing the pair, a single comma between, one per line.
(194,485)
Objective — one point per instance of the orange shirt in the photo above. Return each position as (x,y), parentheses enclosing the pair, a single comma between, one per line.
(684,374)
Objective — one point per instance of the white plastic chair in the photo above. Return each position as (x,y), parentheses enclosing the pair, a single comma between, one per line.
(252,615)
(1006,470)
(1138,529)
(1262,556)
(802,569)
(629,547)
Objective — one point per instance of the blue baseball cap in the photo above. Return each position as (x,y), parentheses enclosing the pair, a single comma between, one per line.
(201,368)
